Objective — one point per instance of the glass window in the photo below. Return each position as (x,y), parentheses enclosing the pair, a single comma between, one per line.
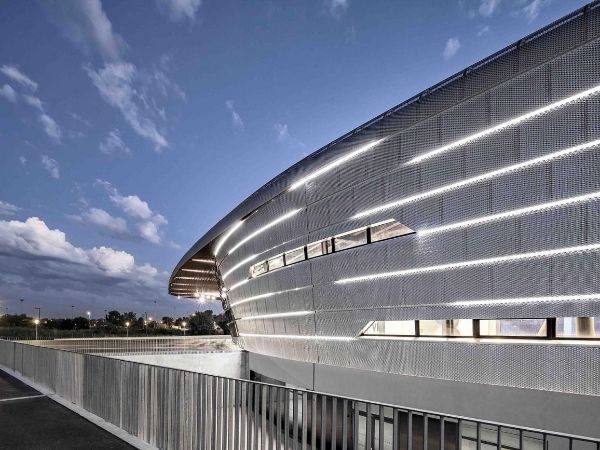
(456,327)
(258,269)
(352,239)
(578,327)
(276,263)
(387,230)
(391,328)
(319,248)
(294,256)
(513,327)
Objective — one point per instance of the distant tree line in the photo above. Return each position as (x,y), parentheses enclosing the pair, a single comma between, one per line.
(117,323)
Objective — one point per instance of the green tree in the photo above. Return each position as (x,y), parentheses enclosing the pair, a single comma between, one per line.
(114,317)
(168,321)
(202,323)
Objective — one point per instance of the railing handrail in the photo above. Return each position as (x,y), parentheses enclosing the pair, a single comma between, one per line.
(428,413)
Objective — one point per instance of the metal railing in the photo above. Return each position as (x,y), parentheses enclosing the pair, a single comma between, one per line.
(176,409)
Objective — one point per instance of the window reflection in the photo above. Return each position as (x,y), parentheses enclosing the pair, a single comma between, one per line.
(513,328)
(456,327)
(578,327)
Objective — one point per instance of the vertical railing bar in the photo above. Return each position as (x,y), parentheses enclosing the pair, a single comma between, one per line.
(425,432)
(218,384)
(381,426)
(313,420)
(286,424)
(333,422)
(499,440)
(249,399)
(323,421)
(237,413)
(295,420)
(478,434)
(369,437)
(278,418)
(271,432)
(345,424)
(256,428)
(263,418)
(442,432)
(409,430)
(395,430)
(304,420)
(459,434)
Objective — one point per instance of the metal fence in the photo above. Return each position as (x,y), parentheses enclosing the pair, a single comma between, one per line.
(176,409)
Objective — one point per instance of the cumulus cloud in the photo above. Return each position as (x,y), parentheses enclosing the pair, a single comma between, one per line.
(337,8)
(452,47)
(236,120)
(115,83)
(58,270)
(281,131)
(483,30)
(51,166)
(488,7)
(149,222)
(116,226)
(22,160)
(85,23)
(8,93)
(8,209)
(14,73)
(113,144)
(179,10)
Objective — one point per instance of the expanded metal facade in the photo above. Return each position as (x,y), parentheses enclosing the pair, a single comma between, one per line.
(488,169)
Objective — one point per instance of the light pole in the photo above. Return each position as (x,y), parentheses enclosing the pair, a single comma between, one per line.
(22,306)
(37,322)
(127,328)
(72,312)
(39,312)
(183,324)
(89,314)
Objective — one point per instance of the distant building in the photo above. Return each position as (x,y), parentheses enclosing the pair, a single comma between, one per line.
(443,256)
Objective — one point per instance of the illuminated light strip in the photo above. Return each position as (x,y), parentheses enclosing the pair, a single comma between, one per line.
(513,213)
(238,265)
(478,262)
(338,162)
(263,229)
(507,124)
(182,284)
(277,315)
(295,336)
(197,270)
(237,285)
(227,235)
(186,278)
(267,295)
(557,298)
(206,261)
(486,176)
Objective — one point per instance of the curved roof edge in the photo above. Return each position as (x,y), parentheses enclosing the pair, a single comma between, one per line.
(281,182)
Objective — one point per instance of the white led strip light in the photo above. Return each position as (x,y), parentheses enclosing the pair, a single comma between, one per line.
(226,236)
(338,162)
(237,285)
(266,295)
(513,213)
(278,315)
(197,270)
(263,229)
(295,336)
(548,299)
(510,123)
(206,261)
(478,262)
(238,265)
(486,176)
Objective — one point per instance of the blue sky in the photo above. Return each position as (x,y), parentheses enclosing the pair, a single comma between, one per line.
(127,129)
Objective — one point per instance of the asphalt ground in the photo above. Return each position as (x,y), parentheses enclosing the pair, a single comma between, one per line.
(30,420)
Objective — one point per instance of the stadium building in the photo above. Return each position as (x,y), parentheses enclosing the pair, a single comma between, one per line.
(444,255)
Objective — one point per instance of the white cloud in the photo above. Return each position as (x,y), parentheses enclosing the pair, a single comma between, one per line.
(58,261)
(49,125)
(22,160)
(149,222)
(103,220)
(179,10)
(337,8)
(8,209)
(85,23)
(482,31)
(115,82)
(236,120)
(532,10)
(488,7)
(452,46)
(281,129)
(14,73)
(114,144)
(8,93)
(51,166)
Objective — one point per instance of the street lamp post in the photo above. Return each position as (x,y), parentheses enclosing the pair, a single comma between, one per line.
(183,324)
(22,306)
(127,328)
(37,322)
(89,314)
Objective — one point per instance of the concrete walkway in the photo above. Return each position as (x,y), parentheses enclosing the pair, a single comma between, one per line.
(30,420)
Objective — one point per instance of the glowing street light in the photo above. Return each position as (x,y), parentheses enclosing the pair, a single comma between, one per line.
(89,314)
(184,324)
(127,328)
(37,322)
